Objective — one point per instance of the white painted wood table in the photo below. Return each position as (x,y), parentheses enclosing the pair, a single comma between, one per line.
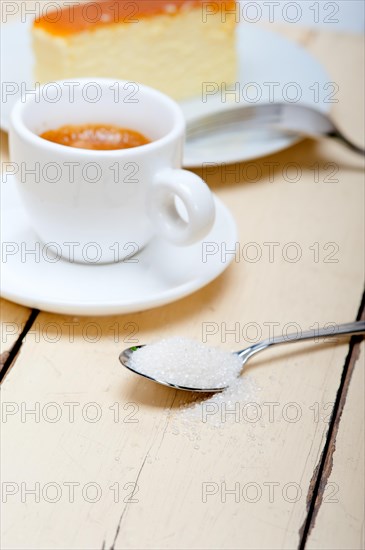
(106,461)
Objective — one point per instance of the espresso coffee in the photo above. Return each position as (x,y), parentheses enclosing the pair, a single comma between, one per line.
(103,137)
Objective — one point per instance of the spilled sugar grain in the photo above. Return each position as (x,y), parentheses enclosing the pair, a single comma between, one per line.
(191,364)
(219,409)
(204,416)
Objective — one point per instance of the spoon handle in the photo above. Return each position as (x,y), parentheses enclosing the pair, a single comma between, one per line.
(357,327)
(339,136)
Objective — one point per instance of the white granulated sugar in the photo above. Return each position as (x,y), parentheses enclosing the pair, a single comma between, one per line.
(226,407)
(187,363)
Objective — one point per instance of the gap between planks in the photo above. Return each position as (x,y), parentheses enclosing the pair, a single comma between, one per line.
(323,469)
(9,357)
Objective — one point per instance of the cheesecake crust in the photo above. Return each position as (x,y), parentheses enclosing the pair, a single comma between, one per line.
(93,15)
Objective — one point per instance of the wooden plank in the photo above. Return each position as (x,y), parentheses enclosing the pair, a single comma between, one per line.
(339,516)
(13,318)
(172,462)
(180,471)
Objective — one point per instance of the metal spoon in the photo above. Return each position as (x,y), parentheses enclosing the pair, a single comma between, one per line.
(357,327)
(285,117)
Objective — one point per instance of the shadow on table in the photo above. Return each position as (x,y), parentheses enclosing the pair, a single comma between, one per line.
(323,159)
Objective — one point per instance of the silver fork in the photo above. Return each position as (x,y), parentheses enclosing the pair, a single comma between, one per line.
(286,117)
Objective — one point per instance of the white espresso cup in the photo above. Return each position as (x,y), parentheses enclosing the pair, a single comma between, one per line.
(102,206)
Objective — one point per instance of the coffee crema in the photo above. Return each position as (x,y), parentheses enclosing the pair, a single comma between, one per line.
(102,137)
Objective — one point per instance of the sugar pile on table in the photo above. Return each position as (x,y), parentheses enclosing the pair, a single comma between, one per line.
(187,363)
(218,409)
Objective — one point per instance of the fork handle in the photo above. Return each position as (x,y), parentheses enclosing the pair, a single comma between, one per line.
(356,327)
(339,136)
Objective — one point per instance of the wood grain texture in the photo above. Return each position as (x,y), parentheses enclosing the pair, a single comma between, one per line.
(12,319)
(163,466)
(339,522)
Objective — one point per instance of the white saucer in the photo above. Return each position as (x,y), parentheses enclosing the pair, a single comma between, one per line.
(265,59)
(163,273)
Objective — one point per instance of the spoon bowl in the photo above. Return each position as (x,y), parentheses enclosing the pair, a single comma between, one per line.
(125,359)
(284,117)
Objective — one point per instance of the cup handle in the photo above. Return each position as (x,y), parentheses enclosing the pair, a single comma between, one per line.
(195,196)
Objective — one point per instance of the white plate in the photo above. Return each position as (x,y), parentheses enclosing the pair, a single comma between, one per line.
(265,57)
(162,273)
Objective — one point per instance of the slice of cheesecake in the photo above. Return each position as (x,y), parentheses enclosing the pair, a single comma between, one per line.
(171,45)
